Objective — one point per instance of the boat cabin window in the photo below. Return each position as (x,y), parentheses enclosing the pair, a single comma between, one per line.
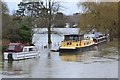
(86,38)
(11,47)
(31,49)
(25,50)
(14,47)
(74,38)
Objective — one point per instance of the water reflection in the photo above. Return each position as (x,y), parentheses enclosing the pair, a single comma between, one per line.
(53,65)
(21,67)
(72,57)
(87,57)
(83,57)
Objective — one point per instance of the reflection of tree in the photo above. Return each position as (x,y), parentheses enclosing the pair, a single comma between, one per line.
(49,55)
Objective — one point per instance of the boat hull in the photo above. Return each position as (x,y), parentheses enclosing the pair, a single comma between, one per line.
(20,55)
(79,49)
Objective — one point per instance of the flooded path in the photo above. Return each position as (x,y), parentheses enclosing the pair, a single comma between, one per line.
(89,64)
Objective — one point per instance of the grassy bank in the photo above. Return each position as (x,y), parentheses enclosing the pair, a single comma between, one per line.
(0,60)
(110,48)
(0,54)
(111,44)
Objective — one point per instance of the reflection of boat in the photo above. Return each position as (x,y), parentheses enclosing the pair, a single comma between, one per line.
(17,51)
(76,42)
(72,57)
(18,67)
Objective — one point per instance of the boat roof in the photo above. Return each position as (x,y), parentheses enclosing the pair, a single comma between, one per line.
(94,35)
(78,35)
(29,46)
(14,43)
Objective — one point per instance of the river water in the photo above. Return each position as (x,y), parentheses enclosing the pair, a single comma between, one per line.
(89,64)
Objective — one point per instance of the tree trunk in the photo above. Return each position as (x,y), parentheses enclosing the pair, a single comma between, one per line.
(49,35)
(49,26)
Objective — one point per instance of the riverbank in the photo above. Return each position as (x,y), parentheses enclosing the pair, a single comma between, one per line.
(110,48)
(0,61)
(113,43)
(0,54)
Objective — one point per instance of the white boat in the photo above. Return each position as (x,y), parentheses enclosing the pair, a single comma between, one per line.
(98,37)
(17,51)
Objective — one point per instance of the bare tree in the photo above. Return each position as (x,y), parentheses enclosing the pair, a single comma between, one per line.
(41,13)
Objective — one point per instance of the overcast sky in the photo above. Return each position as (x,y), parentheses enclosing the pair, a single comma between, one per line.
(70,6)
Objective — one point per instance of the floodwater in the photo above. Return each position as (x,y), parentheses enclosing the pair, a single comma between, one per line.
(89,64)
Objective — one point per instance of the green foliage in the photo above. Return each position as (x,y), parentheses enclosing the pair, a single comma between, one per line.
(18,27)
(5,9)
(25,32)
(42,14)
(6,20)
(0,48)
(15,29)
(3,48)
(21,30)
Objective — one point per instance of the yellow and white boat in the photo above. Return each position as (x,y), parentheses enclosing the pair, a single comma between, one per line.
(75,42)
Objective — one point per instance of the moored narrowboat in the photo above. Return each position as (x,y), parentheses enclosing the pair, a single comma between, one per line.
(98,37)
(75,42)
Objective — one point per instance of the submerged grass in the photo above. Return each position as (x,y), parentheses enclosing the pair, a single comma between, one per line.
(111,44)
(110,47)
(105,52)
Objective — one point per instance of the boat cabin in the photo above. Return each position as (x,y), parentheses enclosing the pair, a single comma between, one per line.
(73,37)
(15,47)
(97,37)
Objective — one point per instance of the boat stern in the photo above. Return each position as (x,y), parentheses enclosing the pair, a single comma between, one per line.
(9,56)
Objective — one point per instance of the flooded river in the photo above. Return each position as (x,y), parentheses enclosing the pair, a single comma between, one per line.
(89,64)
